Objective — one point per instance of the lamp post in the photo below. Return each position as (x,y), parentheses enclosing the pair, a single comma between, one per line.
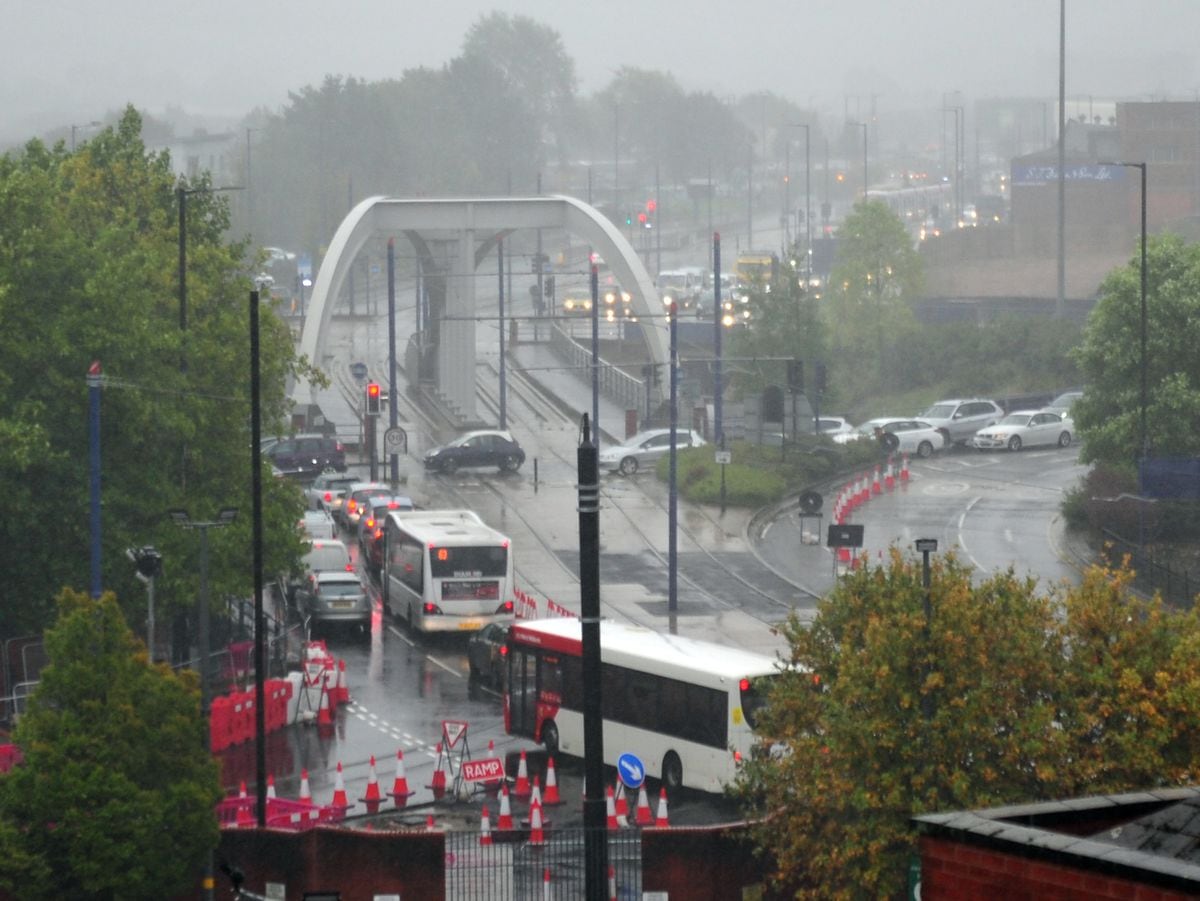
(149,565)
(807,204)
(75,128)
(926,546)
(1144,392)
(863,126)
(184,521)
(957,188)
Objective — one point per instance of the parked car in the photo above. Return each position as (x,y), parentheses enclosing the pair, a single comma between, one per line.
(331,596)
(370,526)
(327,490)
(1026,428)
(1064,402)
(485,448)
(307,455)
(834,425)
(644,449)
(961,419)
(487,655)
(357,498)
(913,436)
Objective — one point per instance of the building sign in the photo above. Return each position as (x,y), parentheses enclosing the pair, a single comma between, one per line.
(1048,174)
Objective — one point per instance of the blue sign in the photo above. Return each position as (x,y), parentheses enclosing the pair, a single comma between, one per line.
(631,771)
(359,371)
(1169,478)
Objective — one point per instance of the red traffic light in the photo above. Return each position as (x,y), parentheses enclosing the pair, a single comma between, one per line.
(373,389)
(651,205)
(642,218)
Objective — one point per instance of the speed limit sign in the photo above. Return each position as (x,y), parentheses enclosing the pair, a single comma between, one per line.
(395,440)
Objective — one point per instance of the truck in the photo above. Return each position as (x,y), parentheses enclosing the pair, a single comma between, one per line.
(756,267)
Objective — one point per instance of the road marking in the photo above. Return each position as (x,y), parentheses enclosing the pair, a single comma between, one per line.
(962,518)
(402,636)
(444,666)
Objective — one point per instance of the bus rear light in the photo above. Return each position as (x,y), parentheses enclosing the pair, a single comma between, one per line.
(506,607)
(431,609)
(737,756)
(744,685)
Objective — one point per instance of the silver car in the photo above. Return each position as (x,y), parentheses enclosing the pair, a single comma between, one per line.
(959,420)
(644,449)
(332,596)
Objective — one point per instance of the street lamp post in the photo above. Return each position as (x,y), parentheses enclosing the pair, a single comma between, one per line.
(866,177)
(1143,450)
(807,204)
(184,521)
(75,128)
(149,566)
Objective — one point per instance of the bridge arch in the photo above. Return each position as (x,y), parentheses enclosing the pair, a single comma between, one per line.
(466,219)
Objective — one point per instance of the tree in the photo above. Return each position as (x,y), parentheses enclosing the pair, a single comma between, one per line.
(1109,414)
(875,276)
(115,797)
(89,271)
(1003,696)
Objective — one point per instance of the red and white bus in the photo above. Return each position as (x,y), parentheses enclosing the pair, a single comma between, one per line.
(686,708)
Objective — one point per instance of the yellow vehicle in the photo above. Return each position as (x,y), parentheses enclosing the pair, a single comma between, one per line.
(757,267)
(575,303)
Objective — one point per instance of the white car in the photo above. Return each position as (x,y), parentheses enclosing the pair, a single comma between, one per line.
(644,449)
(1026,428)
(913,436)
(834,425)
(961,419)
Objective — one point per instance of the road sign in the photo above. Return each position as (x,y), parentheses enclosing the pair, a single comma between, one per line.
(395,440)
(359,371)
(490,769)
(631,771)
(724,457)
(452,731)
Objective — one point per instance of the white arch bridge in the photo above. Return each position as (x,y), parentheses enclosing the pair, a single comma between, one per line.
(473,226)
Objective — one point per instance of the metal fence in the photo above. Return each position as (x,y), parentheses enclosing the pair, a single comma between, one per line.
(1177,587)
(615,384)
(513,868)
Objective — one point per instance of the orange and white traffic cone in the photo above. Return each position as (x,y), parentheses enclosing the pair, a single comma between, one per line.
(535,797)
(889,478)
(400,791)
(271,796)
(612,883)
(305,789)
(864,488)
(243,811)
(537,835)
(324,713)
(342,689)
(493,785)
(546,893)
(610,808)
(430,824)
(372,796)
(340,800)
(876,486)
(642,816)
(622,804)
(522,787)
(552,797)
(904,468)
(438,783)
(660,819)
(485,827)
(505,822)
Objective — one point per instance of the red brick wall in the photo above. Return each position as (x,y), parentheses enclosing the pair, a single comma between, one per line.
(953,871)
(700,863)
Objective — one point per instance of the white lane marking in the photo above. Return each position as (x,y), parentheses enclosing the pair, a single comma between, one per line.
(962,518)
(444,666)
(766,530)
(404,638)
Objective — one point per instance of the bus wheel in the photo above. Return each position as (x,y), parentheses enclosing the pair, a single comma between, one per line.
(672,771)
(550,737)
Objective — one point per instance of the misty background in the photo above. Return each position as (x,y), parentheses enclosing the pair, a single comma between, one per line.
(75,61)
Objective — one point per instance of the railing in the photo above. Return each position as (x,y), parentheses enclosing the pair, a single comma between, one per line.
(1178,588)
(615,384)
(514,868)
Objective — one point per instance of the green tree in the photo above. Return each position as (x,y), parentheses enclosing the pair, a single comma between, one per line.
(875,276)
(115,797)
(1003,696)
(1110,357)
(88,271)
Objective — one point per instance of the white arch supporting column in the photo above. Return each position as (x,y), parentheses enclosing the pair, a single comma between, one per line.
(466,218)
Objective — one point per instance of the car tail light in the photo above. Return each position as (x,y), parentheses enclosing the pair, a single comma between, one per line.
(370,523)
(349,567)
(339,447)
(351,506)
(503,650)
(379,533)
(328,496)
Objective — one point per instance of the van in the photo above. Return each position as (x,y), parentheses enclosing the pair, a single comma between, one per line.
(307,455)
(318,524)
(326,554)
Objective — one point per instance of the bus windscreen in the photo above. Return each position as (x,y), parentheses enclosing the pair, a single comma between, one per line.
(468,562)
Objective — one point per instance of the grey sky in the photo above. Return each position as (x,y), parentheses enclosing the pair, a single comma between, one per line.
(73,61)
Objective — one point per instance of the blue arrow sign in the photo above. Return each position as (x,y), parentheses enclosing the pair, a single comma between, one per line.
(631,771)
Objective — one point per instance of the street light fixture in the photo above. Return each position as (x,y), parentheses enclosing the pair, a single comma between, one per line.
(75,128)
(148,562)
(1143,449)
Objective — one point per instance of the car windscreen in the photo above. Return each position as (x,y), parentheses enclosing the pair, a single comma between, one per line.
(348,589)
(939,411)
(1015,419)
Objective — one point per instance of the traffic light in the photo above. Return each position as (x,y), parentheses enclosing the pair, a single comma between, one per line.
(629,218)
(548,286)
(821,383)
(642,218)
(651,205)
(373,398)
(795,376)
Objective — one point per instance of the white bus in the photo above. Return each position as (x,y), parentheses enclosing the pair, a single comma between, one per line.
(445,570)
(685,708)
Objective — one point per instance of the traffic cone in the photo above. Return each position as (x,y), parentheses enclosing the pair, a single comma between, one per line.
(612,883)
(537,835)
(864,488)
(876,486)
(535,797)
(642,816)
(324,714)
(552,797)
(429,823)
(889,477)
(904,468)
(400,792)
(340,800)
(372,797)
(506,821)
(660,819)
(270,787)
(610,807)
(843,555)
(305,789)
(438,783)
(622,804)
(485,827)
(492,785)
(342,689)
(522,787)
(243,811)
(546,896)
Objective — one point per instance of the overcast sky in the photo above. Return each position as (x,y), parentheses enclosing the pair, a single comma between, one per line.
(72,61)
